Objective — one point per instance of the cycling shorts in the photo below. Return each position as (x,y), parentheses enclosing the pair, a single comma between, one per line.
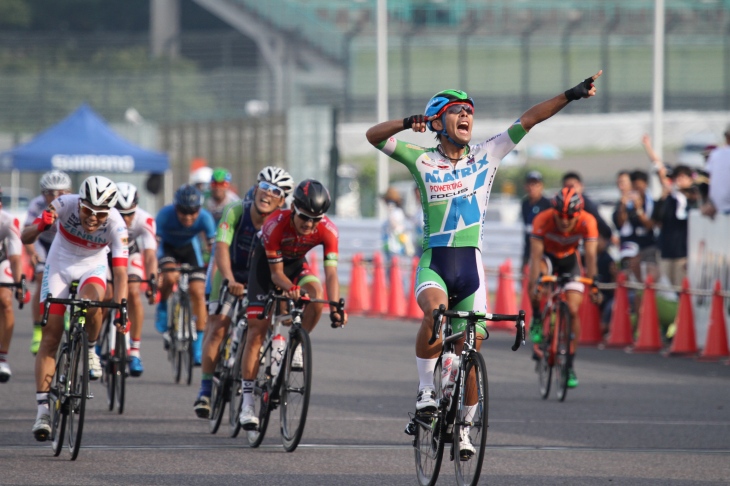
(184,254)
(259,278)
(61,271)
(41,249)
(459,273)
(560,266)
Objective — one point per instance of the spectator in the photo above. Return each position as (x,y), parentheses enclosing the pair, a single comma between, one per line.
(533,202)
(573,179)
(632,217)
(396,240)
(623,182)
(718,169)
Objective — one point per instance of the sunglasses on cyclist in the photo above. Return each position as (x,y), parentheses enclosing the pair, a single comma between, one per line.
(455,109)
(305,217)
(54,193)
(219,184)
(128,212)
(569,217)
(187,211)
(97,213)
(271,188)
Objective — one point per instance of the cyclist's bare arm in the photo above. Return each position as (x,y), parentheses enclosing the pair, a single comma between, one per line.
(120,283)
(279,278)
(537,249)
(333,289)
(542,111)
(591,254)
(32,232)
(223,263)
(383,131)
(150,262)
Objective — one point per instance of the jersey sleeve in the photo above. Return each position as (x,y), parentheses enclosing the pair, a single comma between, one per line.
(502,144)
(403,152)
(228,223)
(330,240)
(271,237)
(12,235)
(148,235)
(120,241)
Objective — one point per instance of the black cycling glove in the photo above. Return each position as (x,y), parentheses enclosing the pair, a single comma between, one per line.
(408,122)
(580,90)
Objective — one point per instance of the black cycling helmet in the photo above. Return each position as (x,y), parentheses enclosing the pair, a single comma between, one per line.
(567,202)
(188,198)
(312,197)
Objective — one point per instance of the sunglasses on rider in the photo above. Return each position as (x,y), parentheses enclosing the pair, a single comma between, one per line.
(455,109)
(97,213)
(569,217)
(187,211)
(55,193)
(274,190)
(305,217)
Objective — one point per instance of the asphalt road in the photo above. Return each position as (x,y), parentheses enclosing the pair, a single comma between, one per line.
(634,419)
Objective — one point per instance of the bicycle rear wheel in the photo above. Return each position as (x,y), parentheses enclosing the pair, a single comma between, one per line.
(472,420)
(57,398)
(120,370)
(173,354)
(544,366)
(428,443)
(262,395)
(235,392)
(187,348)
(296,387)
(562,327)
(220,385)
(79,389)
(107,376)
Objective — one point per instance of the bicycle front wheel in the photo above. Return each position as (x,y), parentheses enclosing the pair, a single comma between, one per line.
(173,330)
(187,342)
(428,442)
(58,398)
(120,370)
(220,385)
(79,389)
(108,377)
(472,421)
(544,366)
(561,357)
(296,387)
(262,395)
(235,391)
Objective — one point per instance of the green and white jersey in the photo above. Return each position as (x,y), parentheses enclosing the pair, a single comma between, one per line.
(454,197)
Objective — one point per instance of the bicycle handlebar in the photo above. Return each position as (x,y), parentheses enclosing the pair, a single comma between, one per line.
(18,285)
(83,303)
(564,278)
(303,299)
(474,316)
(181,267)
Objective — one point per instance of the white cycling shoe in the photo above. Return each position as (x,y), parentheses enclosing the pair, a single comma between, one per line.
(94,365)
(248,418)
(5,372)
(466,449)
(426,401)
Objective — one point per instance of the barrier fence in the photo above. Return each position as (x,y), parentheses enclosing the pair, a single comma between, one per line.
(383,290)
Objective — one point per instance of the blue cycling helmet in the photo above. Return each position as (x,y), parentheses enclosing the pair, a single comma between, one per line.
(188,198)
(437,105)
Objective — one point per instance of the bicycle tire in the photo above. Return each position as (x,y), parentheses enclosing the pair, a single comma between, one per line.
(187,348)
(428,443)
(296,388)
(57,398)
(262,391)
(120,370)
(562,327)
(544,368)
(79,388)
(235,392)
(219,387)
(468,465)
(107,377)
(172,329)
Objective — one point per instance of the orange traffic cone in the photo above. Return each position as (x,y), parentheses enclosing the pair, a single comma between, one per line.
(413,311)
(590,321)
(379,302)
(684,342)
(716,345)
(525,303)
(506,299)
(621,334)
(357,297)
(649,339)
(396,298)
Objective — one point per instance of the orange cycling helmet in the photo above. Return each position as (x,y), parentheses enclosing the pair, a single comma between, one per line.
(567,202)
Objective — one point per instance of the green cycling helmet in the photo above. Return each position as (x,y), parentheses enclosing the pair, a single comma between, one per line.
(221,175)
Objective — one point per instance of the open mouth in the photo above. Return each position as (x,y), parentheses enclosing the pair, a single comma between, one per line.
(463,128)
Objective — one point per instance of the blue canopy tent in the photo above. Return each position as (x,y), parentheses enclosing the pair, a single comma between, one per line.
(82,142)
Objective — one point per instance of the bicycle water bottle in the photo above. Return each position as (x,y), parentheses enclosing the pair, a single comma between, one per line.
(449,373)
(278,345)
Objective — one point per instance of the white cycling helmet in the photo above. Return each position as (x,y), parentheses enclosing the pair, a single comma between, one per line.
(99,191)
(55,180)
(201,176)
(128,197)
(278,177)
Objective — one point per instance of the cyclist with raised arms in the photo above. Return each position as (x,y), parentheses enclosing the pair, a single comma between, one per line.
(11,250)
(234,243)
(455,179)
(178,225)
(279,261)
(142,259)
(53,184)
(556,234)
(87,224)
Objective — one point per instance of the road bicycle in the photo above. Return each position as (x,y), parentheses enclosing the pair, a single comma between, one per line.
(180,330)
(554,348)
(70,385)
(113,350)
(290,386)
(463,409)
(226,382)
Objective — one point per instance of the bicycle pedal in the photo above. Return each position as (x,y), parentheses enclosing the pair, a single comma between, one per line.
(90,396)
(410,429)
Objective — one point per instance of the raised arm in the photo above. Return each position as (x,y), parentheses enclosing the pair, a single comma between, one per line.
(542,111)
(383,131)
